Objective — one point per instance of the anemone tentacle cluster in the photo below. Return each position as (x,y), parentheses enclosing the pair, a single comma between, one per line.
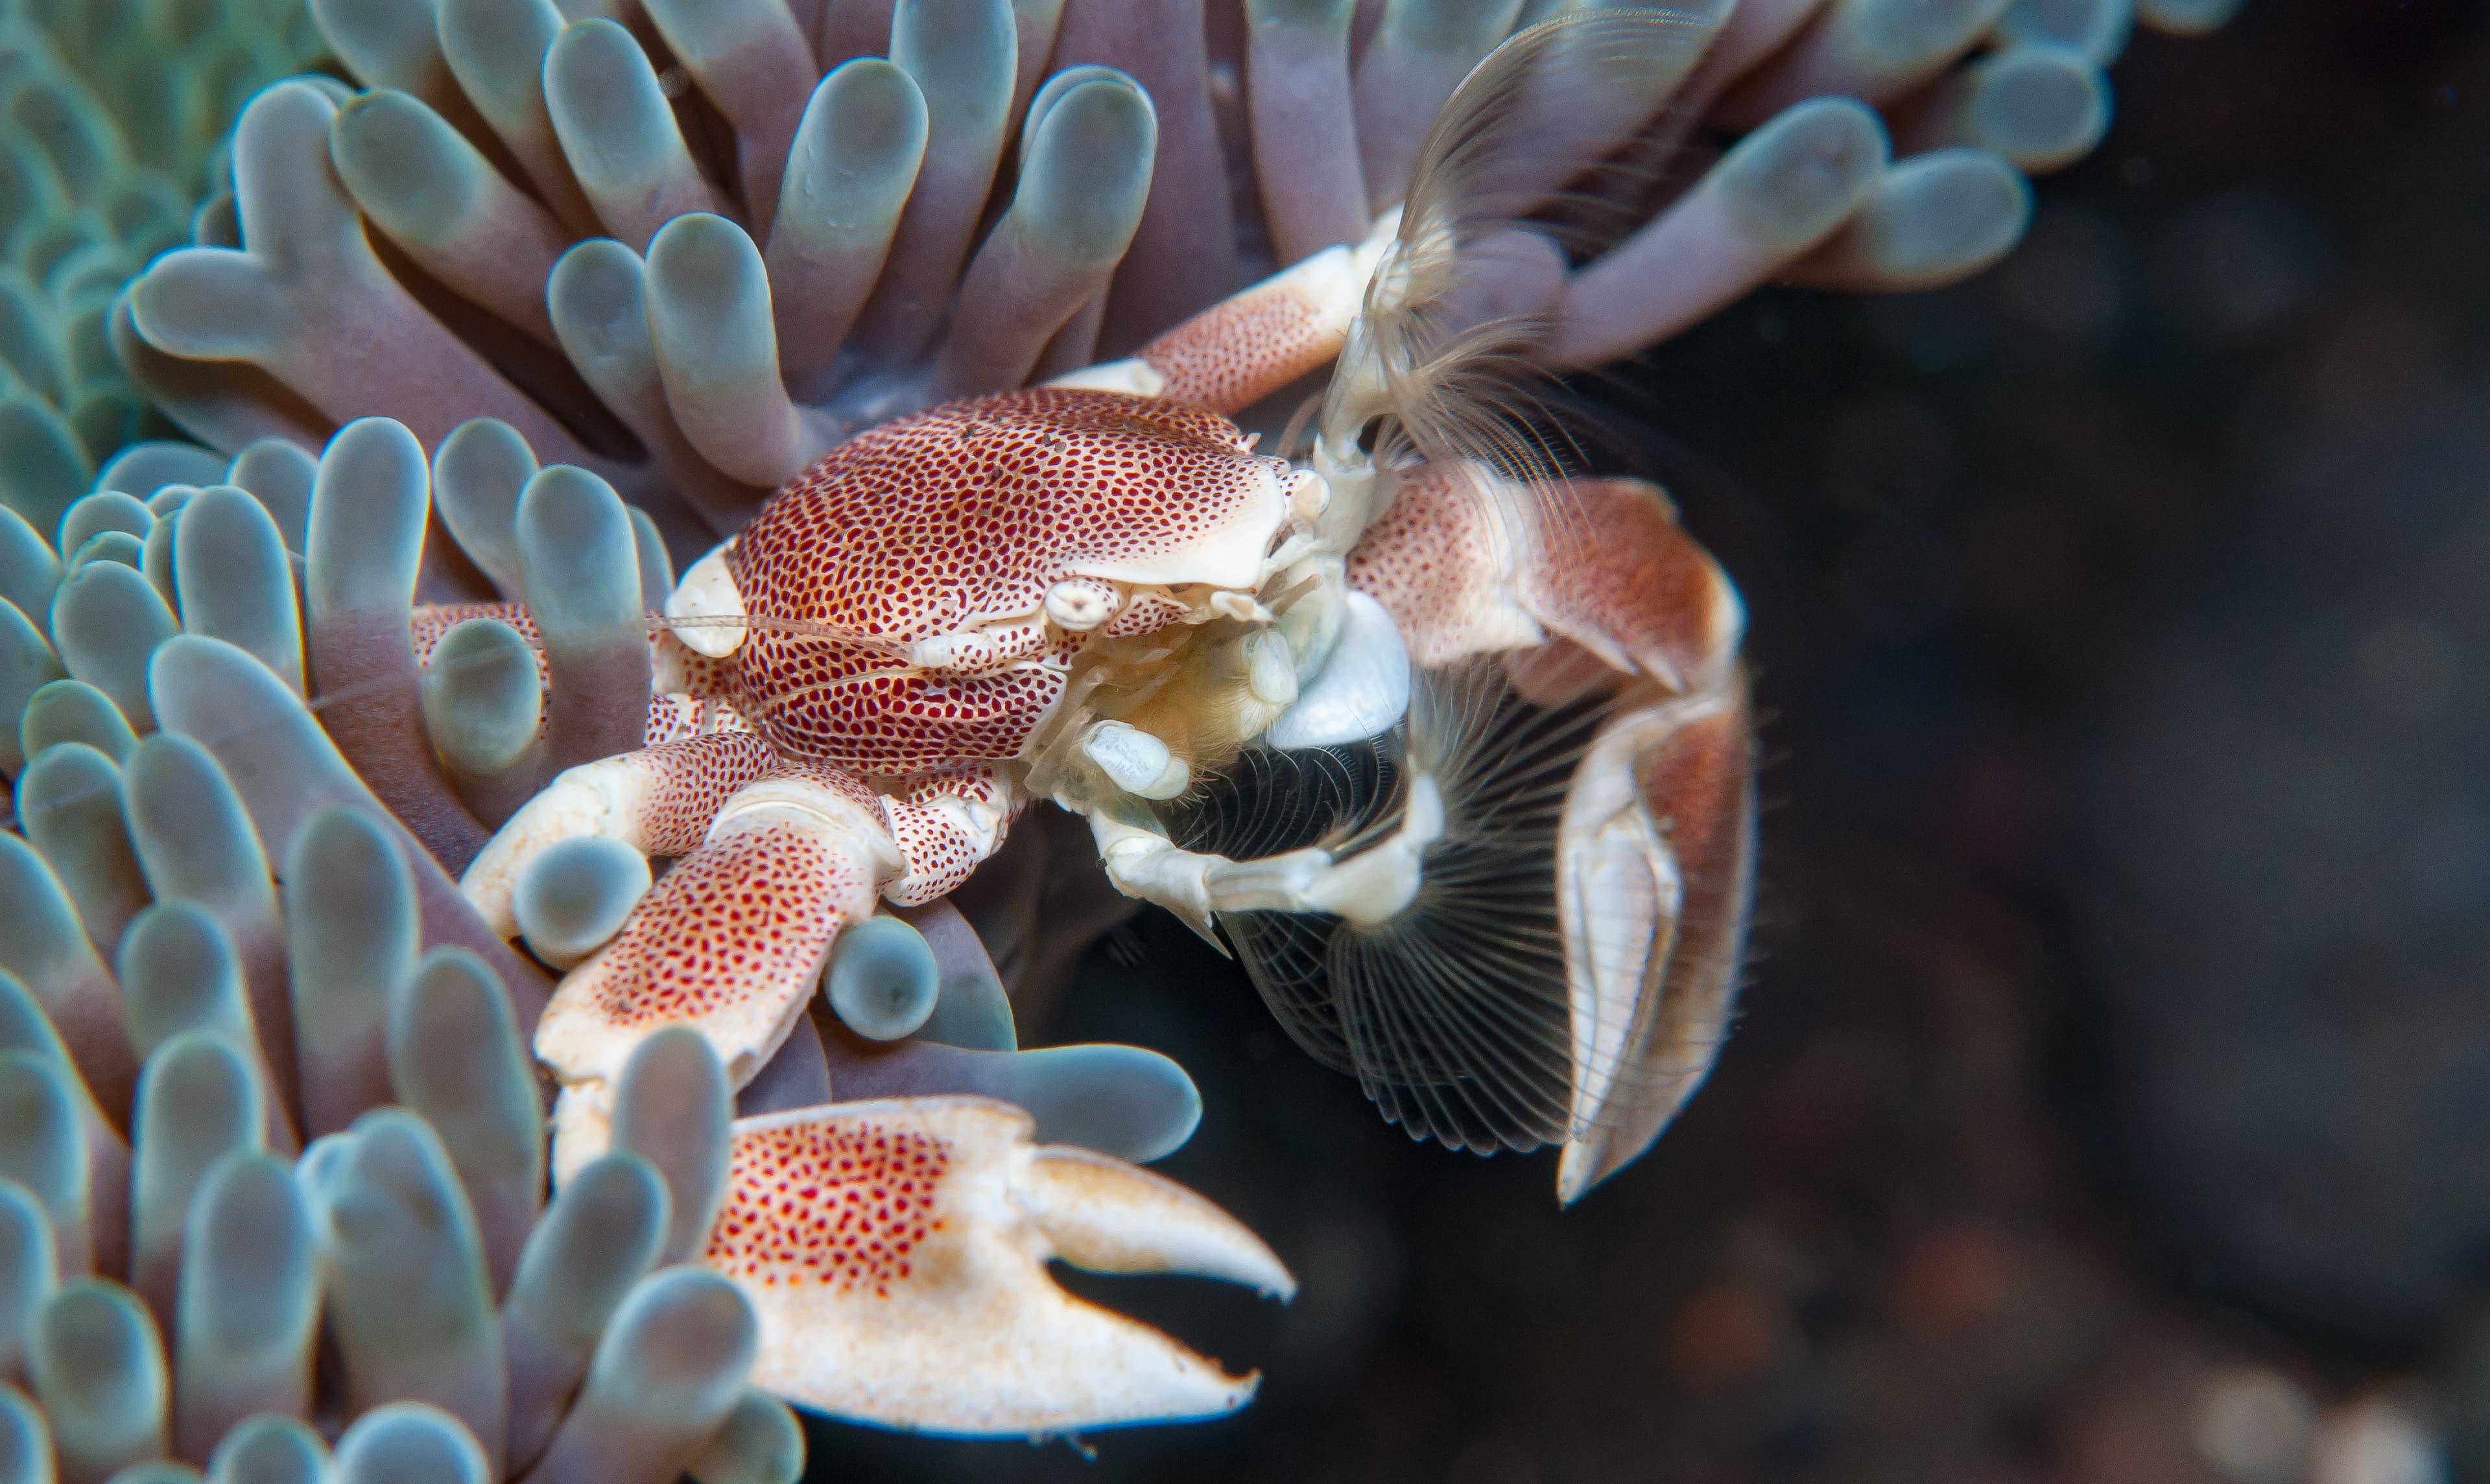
(179,1021)
(109,118)
(692,252)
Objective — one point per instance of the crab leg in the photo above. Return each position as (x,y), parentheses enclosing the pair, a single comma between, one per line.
(895,1254)
(1654,857)
(659,800)
(1579,584)
(946,824)
(775,862)
(1255,341)
(730,942)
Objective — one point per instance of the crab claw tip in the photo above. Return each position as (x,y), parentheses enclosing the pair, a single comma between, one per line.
(1102,1214)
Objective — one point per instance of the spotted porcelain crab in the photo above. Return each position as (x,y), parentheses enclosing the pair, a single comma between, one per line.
(1453,753)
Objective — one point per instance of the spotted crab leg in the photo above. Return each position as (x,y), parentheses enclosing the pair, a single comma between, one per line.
(776,861)
(895,1252)
(730,942)
(660,801)
(1256,340)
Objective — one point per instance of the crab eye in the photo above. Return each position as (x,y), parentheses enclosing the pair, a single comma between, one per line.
(1080,604)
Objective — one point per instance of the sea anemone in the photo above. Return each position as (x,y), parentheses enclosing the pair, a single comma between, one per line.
(465,1321)
(109,118)
(200,863)
(692,252)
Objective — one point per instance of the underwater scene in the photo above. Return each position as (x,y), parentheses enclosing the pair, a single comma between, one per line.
(1501,741)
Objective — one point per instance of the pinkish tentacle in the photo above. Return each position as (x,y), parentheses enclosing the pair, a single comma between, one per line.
(1184,255)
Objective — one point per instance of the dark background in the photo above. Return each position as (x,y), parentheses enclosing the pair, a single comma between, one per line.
(2113,1074)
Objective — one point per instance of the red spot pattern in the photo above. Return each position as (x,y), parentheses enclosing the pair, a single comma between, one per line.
(932,523)
(1147,613)
(939,853)
(839,1203)
(674,718)
(695,778)
(1429,559)
(746,918)
(1242,349)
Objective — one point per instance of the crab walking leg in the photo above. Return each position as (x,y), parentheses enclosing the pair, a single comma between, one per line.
(1469,563)
(1654,861)
(946,826)
(659,800)
(1256,340)
(730,942)
(895,1252)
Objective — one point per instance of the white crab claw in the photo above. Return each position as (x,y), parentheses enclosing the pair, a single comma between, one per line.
(1138,762)
(895,1251)
(1270,671)
(707,608)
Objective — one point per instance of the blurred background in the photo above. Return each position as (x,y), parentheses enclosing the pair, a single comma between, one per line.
(2111,1099)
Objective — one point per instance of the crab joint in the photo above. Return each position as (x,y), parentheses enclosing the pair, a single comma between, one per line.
(1136,761)
(1308,497)
(1243,606)
(707,609)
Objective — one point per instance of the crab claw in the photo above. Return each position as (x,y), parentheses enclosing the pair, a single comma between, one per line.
(895,1252)
(1655,855)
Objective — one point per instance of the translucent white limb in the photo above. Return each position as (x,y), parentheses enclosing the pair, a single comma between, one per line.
(1366,889)
(1136,761)
(1653,862)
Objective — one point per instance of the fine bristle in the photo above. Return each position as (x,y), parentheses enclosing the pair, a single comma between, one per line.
(1454,1015)
(1529,167)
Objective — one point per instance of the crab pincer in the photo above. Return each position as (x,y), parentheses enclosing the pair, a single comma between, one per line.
(895,1252)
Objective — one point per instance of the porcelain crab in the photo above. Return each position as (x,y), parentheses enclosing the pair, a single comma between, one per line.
(1454,754)
(1107,599)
